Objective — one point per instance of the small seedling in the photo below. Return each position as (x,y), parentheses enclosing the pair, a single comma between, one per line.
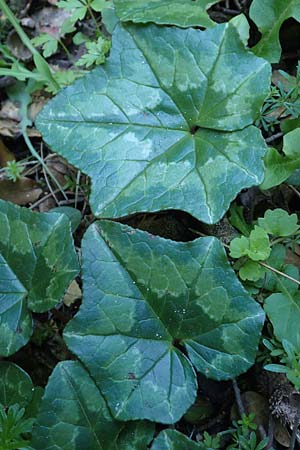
(13,170)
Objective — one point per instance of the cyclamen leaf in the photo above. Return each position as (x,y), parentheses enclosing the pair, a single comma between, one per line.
(242,26)
(136,436)
(183,13)
(269,15)
(15,385)
(37,263)
(146,298)
(74,416)
(151,127)
(279,223)
(173,440)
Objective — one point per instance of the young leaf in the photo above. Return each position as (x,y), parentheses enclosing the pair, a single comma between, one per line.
(145,299)
(96,52)
(279,223)
(251,270)
(259,244)
(173,440)
(37,264)
(165,122)
(278,368)
(239,247)
(182,13)
(74,415)
(256,246)
(100,5)
(49,44)
(78,9)
(269,15)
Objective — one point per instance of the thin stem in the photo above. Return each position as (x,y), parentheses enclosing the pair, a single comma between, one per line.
(40,160)
(69,55)
(46,178)
(40,200)
(70,201)
(276,241)
(93,17)
(237,4)
(77,187)
(13,20)
(294,190)
(270,443)
(273,138)
(238,397)
(278,272)
(27,42)
(15,73)
(259,262)
(295,429)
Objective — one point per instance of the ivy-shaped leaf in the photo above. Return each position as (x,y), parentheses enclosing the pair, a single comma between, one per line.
(183,13)
(15,385)
(74,416)
(165,123)
(173,440)
(153,310)
(37,263)
(269,15)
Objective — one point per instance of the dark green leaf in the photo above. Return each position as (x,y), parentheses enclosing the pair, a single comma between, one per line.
(165,123)
(269,15)
(183,13)
(136,436)
(74,416)
(145,300)
(15,385)
(37,264)
(73,214)
(173,440)
(32,408)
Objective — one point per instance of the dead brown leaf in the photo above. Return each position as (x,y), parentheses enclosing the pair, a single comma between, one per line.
(21,192)
(292,257)
(73,293)
(10,119)
(5,154)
